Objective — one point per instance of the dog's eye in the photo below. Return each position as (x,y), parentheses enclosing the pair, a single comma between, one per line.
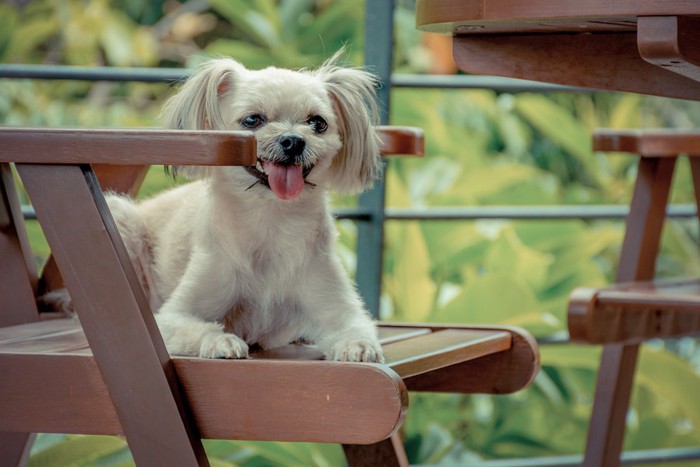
(318,123)
(253,121)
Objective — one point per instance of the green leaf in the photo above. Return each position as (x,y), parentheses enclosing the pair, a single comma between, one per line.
(558,125)
(247,18)
(509,255)
(491,298)
(411,285)
(78,451)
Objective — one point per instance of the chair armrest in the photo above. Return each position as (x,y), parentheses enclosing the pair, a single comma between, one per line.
(126,147)
(404,140)
(648,143)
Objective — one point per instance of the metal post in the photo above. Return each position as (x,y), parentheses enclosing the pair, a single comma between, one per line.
(379,38)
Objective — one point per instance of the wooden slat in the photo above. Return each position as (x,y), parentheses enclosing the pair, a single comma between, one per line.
(648,143)
(441,349)
(230,399)
(608,61)
(126,147)
(390,334)
(500,373)
(446,15)
(37,329)
(17,269)
(289,352)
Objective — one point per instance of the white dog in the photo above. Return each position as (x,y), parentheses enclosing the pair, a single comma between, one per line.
(244,255)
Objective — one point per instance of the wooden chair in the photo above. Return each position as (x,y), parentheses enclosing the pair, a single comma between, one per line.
(110,373)
(636,308)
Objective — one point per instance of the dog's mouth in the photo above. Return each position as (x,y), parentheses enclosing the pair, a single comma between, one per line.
(286,181)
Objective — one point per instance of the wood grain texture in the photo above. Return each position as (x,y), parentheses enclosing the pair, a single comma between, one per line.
(607,61)
(114,313)
(126,147)
(246,399)
(285,400)
(18,279)
(633,312)
(500,373)
(125,179)
(443,348)
(648,143)
(445,16)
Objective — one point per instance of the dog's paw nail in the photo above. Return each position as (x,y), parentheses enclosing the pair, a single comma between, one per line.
(358,351)
(223,345)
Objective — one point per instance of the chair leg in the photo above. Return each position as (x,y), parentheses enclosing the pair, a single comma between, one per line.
(637,262)
(387,453)
(14,448)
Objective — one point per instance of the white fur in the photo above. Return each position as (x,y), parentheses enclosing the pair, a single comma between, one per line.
(226,266)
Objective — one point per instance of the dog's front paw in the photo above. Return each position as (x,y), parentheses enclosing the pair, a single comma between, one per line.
(223,345)
(357,350)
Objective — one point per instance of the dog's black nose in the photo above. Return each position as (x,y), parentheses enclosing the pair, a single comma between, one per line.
(292,145)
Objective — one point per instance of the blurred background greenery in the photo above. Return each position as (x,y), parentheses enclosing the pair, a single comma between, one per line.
(483,149)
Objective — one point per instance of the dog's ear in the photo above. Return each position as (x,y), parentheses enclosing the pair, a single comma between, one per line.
(196,106)
(358,163)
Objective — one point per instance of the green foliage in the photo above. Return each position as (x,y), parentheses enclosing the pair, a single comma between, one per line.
(484,149)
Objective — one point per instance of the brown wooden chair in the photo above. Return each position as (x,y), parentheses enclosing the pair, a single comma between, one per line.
(110,373)
(636,308)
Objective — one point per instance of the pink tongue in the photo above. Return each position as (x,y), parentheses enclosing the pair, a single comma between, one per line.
(286,181)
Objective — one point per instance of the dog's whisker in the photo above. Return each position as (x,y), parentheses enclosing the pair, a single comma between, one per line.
(254,183)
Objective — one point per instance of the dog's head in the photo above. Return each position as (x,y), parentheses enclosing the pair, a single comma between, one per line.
(312,127)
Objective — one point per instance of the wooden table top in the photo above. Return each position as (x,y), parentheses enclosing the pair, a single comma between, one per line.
(644,46)
(499,16)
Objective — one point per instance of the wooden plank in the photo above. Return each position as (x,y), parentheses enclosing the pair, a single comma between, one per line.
(114,313)
(501,373)
(446,15)
(17,269)
(648,143)
(441,349)
(289,352)
(230,399)
(118,178)
(607,61)
(67,341)
(37,329)
(127,147)
(390,334)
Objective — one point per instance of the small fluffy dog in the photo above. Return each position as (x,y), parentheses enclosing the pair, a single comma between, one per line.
(244,255)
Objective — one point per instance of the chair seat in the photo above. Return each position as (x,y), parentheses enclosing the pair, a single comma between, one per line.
(635,311)
(313,404)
